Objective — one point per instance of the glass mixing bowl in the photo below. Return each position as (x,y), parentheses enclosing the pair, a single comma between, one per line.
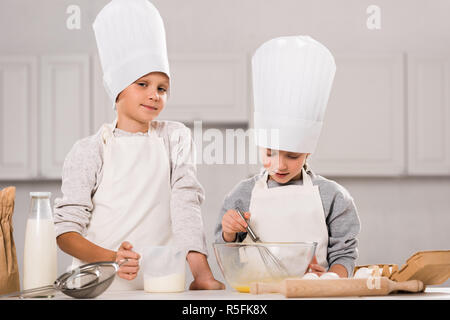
(244,263)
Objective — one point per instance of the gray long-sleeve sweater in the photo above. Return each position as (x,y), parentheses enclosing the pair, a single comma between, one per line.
(83,171)
(341,216)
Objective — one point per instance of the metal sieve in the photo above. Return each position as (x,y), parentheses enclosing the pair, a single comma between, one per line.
(84,282)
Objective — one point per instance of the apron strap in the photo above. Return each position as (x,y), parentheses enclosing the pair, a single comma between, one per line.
(152,129)
(107,131)
(263,181)
(307,181)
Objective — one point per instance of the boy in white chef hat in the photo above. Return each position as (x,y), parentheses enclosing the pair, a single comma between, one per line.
(129,186)
(287,202)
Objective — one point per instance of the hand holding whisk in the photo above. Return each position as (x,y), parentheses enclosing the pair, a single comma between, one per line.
(273,265)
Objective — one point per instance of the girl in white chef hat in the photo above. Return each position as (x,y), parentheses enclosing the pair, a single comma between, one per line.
(287,202)
(131,186)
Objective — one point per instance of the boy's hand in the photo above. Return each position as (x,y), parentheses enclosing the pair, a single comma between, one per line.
(129,269)
(233,223)
(203,277)
(316,268)
(208,283)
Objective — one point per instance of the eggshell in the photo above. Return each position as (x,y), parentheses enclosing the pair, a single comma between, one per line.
(310,276)
(362,273)
(329,275)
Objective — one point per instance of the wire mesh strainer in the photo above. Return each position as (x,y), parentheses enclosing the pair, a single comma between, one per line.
(84,282)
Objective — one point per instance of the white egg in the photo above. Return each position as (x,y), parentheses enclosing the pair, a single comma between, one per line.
(363,273)
(310,276)
(329,275)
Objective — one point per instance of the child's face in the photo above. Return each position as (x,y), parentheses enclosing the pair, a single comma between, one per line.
(283,166)
(143,100)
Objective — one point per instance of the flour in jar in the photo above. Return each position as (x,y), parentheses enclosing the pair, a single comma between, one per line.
(174,282)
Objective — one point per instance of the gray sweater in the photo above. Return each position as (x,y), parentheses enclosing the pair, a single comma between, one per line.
(341,216)
(83,171)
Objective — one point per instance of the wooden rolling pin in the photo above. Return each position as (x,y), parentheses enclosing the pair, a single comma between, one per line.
(375,286)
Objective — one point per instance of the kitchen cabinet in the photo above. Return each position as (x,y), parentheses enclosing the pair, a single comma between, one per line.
(364,126)
(209,88)
(18,113)
(37,134)
(377,123)
(382,134)
(429,114)
(64,110)
(102,108)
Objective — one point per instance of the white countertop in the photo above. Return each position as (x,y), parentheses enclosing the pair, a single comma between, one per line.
(433,293)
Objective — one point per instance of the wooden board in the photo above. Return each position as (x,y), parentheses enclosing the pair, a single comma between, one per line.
(430,267)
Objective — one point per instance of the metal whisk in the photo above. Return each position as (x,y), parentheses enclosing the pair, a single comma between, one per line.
(273,265)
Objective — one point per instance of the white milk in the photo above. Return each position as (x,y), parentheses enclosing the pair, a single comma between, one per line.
(40,264)
(174,282)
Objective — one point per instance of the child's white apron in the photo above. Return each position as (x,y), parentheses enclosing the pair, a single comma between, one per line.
(291,213)
(132,202)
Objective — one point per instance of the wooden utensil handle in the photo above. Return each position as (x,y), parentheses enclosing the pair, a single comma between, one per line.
(410,286)
(266,287)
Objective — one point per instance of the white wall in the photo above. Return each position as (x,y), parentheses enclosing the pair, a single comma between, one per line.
(399,216)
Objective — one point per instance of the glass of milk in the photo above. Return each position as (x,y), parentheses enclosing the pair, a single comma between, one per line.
(164,269)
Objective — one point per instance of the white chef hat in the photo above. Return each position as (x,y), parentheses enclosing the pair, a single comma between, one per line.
(292,79)
(131,42)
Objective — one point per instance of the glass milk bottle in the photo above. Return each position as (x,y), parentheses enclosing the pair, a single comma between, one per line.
(39,259)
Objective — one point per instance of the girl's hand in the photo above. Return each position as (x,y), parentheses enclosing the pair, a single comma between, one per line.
(129,269)
(316,268)
(233,223)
